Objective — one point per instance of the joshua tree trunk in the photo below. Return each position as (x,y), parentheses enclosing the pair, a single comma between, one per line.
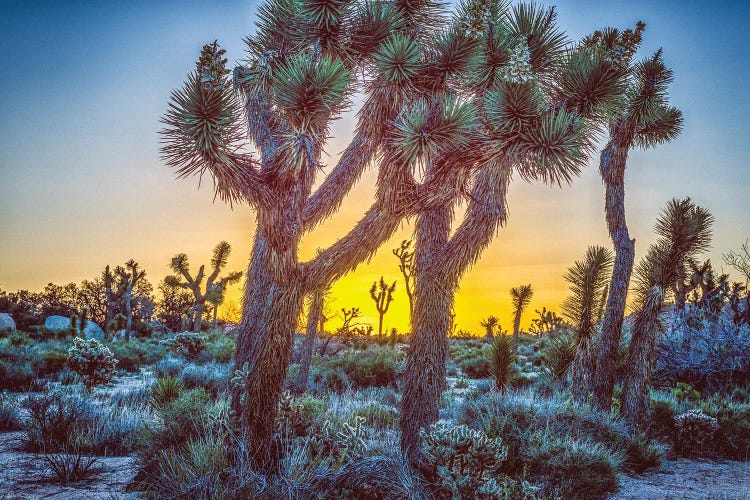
(582,369)
(440,263)
(216,317)
(198,317)
(635,388)
(516,328)
(424,375)
(311,332)
(128,313)
(612,169)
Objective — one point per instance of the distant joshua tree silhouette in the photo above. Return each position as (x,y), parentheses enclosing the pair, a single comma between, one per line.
(382,294)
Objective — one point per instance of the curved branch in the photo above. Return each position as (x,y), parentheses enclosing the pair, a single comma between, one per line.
(487,212)
(328,197)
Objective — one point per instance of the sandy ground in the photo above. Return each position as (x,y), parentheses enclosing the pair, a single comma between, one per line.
(689,479)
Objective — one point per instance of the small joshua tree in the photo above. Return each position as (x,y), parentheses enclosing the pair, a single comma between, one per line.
(405,256)
(521,296)
(130,276)
(382,295)
(93,362)
(214,290)
(489,325)
(502,357)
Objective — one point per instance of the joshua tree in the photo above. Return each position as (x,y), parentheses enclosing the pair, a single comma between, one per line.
(588,284)
(546,322)
(643,118)
(130,276)
(306,61)
(489,325)
(315,322)
(114,293)
(405,256)
(533,96)
(382,295)
(684,230)
(521,296)
(214,290)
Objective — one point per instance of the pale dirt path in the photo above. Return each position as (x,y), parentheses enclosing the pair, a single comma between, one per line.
(689,480)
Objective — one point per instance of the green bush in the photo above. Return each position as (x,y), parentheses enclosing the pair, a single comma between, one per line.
(559,355)
(573,469)
(10,417)
(733,436)
(374,367)
(92,361)
(166,390)
(378,416)
(221,349)
(641,454)
(188,344)
(137,353)
(502,357)
(694,434)
(662,415)
(213,377)
(476,367)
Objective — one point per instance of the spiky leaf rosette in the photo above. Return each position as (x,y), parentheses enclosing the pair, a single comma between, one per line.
(521,296)
(371,24)
(425,130)
(537,25)
(589,280)
(685,231)
(590,85)
(203,131)
(452,54)
(648,95)
(309,92)
(281,27)
(397,61)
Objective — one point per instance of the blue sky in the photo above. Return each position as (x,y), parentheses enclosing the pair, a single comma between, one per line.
(81,183)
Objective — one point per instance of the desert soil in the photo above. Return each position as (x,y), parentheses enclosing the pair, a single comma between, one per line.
(689,480)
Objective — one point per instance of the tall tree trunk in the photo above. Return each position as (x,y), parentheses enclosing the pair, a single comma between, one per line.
(380,324)
(311,332)
(128,314)
(215,323)
(273,300)
(635,387)
(612,169)
(198,318)
(424,375)
(516,328)
(488,333)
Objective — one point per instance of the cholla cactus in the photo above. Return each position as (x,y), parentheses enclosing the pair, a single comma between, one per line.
(694,433)
(92,361)
(463,460)
(189,344)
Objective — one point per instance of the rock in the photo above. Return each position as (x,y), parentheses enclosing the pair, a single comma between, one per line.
(57,323)
(93,331)
(6,322)
(61,323)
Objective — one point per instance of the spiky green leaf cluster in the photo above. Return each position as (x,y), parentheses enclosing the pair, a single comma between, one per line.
(398,60)
(589,281)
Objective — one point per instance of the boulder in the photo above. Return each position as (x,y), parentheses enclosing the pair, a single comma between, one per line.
(57,323)
(93,331)
(61,323)
(6,322)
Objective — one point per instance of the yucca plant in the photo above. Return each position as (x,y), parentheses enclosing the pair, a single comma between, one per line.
(515,98)
(502,358)
(589,282)
(684,231)
(642,118)
(521,297)
(489,325)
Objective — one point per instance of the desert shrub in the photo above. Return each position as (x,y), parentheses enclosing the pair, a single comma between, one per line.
(326,379)
(558,355)
(478,367)
(137,397)
(10,417)
(54,419)
(15,376)
(461,461)
(571,468)
(733,435)
(166,390)
(214,377)
(188,344)
(137,353)
(502,358)
(169,366)
(641,453)
(221,349)
(705,354)
(378,416)
(662,415)
(685,392)
(694,433)
(70,465)
(15,338)
(92,361)
(461,383)
(374,367)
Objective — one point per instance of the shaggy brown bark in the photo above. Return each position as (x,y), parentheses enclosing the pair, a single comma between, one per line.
(440,263)
(612,168)
(635,387)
